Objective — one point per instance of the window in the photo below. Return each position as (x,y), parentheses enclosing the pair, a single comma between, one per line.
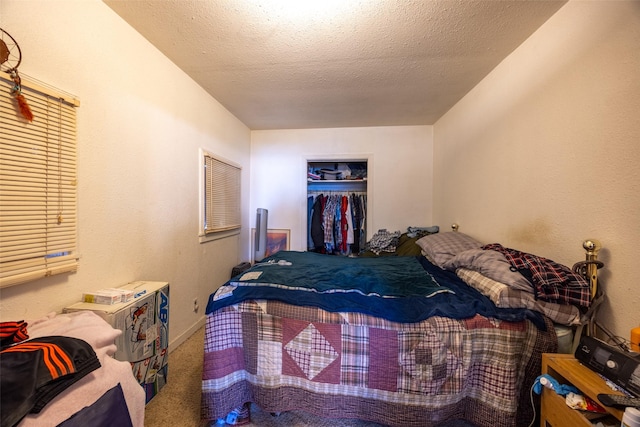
(221,195)
(37,185)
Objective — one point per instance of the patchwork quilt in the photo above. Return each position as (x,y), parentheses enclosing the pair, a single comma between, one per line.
(353,365)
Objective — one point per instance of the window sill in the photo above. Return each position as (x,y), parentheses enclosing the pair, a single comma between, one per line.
(204,238)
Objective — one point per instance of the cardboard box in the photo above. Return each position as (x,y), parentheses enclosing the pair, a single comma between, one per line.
(152,373)
(144,322)
(102,296)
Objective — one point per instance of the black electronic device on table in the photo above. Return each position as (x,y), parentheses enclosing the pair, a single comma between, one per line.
(620,367)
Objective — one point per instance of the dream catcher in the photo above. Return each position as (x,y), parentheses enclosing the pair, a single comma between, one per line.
(10,57)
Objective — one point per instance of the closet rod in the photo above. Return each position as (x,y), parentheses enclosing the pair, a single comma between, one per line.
(331,192)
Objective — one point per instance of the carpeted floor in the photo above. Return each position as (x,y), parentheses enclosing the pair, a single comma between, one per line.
(178,403)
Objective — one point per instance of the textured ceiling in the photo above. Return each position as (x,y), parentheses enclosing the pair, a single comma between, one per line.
(336,63)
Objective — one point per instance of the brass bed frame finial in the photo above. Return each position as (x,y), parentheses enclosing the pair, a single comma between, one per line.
(454,227)
(589,267)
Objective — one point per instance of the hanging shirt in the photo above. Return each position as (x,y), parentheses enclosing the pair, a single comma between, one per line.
(328,220)
(344,228)
(317,233)
(310,203)
(349,215)
(337,221)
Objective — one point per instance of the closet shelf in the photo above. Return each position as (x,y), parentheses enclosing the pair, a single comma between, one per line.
(337,185)
(318,181)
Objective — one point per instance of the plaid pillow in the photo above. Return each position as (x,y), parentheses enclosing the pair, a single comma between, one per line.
(442,247)
(491,264)
(505,296)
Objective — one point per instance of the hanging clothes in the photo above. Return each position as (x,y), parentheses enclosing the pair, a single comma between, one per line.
(349,222)
(358,222)
(328,222)
(310,201)
(344,226)
(336,223)
(317,232)
(363,220)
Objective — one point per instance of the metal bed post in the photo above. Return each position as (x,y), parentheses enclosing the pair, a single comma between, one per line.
(589,270)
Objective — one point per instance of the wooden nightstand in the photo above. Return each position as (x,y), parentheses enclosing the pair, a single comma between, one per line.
(568,370)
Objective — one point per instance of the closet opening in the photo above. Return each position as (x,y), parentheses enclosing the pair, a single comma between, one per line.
(337,206)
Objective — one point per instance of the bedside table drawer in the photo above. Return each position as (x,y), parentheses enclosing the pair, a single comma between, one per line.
(567,370)
(558,414)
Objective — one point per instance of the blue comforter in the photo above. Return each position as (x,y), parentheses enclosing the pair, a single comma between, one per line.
(401,289)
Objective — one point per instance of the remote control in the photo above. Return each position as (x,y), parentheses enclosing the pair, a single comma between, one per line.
(619,401)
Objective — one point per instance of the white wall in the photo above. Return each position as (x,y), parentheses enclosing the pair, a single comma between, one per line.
(400,169)
(539,156)
(544,152)
(141,124)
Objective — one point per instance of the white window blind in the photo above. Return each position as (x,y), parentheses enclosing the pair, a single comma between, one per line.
(222,195)
(37,185)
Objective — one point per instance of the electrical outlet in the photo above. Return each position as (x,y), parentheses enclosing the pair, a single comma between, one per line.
(195,305)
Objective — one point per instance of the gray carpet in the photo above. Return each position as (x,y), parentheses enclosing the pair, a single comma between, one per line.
(178,403)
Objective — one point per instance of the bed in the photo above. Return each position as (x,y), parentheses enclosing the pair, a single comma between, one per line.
(415,340)
(88,388)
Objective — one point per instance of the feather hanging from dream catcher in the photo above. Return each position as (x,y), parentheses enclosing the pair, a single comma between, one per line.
(10,58)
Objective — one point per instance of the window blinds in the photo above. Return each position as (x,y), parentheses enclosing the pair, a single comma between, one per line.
(37,185)
(222,195)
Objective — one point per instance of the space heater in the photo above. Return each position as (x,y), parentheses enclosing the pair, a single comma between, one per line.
(260,243)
